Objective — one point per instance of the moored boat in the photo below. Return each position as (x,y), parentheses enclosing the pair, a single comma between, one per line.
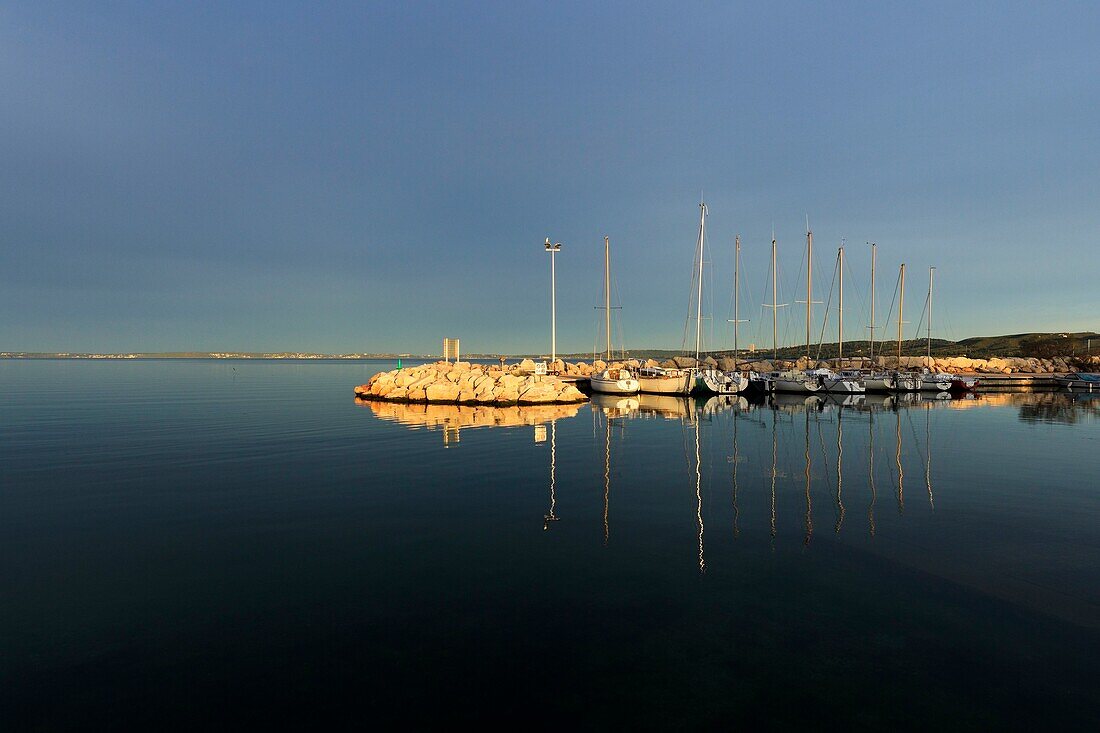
(797,382)
(933,382)
(614,381)
(963,384)
(1087,381)
(655,380)
(880,382)
(845,382)
(907,382)
(713,381)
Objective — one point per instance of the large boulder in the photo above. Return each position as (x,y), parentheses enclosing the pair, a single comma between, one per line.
(683,362)
(445,391)
(539,392)
(506,394)
(527,366)
(727,364)
(569,393)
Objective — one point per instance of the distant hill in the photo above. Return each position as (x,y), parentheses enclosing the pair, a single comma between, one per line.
(1044,345)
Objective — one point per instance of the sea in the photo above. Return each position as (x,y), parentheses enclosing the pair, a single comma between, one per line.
(238,544)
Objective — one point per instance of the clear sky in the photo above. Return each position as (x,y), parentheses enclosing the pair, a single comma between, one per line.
(355,177)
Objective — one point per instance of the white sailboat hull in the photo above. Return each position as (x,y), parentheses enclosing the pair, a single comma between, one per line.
(795,385)
(675,384)
(935,383)
(716,382)
(607,383)
(879,383)
(843,385)
(907,383)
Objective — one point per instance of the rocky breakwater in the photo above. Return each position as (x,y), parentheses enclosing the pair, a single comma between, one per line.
(469,384)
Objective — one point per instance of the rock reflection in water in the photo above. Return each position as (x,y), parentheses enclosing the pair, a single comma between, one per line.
(451,418)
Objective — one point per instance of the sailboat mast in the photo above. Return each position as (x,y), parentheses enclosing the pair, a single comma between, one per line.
(840,308)
(775,308)
(929,332)
(873,248)
(699,300)
(607,291)
(809,283)
(736,262)
(901,307)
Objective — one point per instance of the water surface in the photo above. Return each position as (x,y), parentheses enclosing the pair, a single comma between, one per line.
(217,543)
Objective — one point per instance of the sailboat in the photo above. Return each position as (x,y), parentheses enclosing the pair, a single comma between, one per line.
(940,381)
(844,382)
(739,380)
(904,381)
(876,381)
(710,380)
(795,380)
(661,381)
(766,382)
(896,380)
(929,380)
(619,380)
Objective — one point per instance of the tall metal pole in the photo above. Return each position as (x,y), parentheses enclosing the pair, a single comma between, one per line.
(840,308)
(553,312)
(553,249)
(873,248)
(809,283)
(901,307)
(736,262)
(699,300)
(607,291)
(775,308)
(929,339)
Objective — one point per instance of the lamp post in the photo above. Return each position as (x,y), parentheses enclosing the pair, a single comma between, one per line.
(553,249)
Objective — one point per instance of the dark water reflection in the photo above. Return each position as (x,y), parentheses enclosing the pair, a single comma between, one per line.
(222,544)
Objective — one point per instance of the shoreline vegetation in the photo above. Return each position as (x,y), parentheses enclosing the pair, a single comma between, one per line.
(1026,345)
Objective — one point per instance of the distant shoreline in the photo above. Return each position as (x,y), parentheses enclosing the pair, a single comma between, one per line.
(211,355)
(1022,344)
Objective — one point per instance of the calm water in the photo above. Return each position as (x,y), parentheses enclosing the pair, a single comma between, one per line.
(223,544)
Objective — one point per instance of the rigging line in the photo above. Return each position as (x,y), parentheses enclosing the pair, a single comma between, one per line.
(748,288)
(828,305)
(890,312)
(763,306)
(922,315)
(691,295)
(619,317)
(864,310)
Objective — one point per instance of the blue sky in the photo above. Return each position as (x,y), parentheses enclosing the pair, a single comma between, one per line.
(355,177)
